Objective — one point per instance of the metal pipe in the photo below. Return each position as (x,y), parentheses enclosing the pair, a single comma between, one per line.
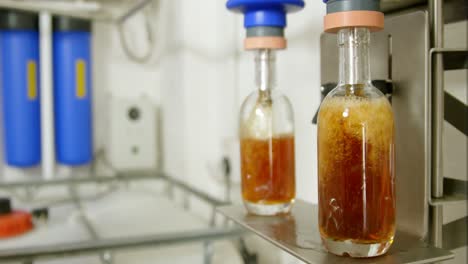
(55,7)
(119,177)
(208,252)
(436,225)
(437,38)
(203,196)
(105,257)
(47,106)
(79,180)
(99,246)
(132,11)
(265,69)
(436,17)
(35,5)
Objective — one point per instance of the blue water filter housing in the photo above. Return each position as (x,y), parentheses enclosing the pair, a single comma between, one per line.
(19,83)
(72,91)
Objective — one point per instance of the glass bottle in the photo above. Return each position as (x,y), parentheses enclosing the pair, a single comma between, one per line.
(356,157)
(267,143)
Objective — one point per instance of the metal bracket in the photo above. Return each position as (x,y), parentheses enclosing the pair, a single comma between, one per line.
(455,191)
(454,59)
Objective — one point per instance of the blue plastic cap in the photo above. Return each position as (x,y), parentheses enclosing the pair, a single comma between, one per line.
(270,13)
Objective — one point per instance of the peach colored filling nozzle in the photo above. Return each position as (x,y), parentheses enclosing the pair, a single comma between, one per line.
(373,20)
(265,43)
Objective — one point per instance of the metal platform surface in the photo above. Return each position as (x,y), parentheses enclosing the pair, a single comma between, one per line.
(297,233)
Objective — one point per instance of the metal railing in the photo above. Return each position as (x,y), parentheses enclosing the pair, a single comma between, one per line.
(104,246)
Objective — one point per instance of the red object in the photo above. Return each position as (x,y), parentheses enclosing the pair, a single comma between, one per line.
(15,223)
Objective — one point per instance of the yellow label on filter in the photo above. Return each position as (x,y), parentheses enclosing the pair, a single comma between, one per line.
(32,80)
(80,75)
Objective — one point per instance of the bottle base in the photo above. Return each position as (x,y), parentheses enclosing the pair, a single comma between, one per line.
(356,250)
(268,209)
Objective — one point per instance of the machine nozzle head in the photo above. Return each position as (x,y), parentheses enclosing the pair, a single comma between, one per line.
(265,21)
(270,13)
(353,13)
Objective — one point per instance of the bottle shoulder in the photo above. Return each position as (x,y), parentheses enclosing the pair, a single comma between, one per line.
(274,99)
(363,105)
(346,96)
(265,115)
(363,91)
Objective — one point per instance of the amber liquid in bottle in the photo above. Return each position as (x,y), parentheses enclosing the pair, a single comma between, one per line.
(356,170)
(356,158)
(266,131)
(267,169)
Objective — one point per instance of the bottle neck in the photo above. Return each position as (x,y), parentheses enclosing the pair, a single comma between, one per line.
(265,69)
(354,56)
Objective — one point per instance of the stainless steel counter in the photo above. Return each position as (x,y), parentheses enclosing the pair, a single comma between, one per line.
(298,234)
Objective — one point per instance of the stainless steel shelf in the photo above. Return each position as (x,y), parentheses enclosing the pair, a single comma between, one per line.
(101,241)
(298,234)
(127,177)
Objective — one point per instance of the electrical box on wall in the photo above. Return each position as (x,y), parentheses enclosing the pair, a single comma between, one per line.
(132,134)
